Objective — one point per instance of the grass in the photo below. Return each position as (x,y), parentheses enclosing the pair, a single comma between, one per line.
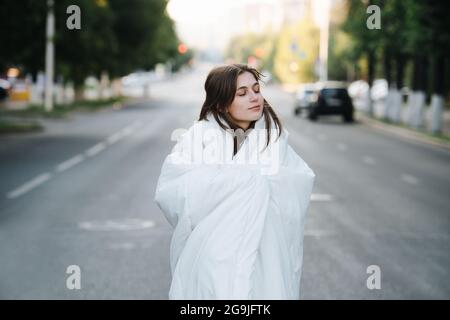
(420,130)
(61,111)
(24,120)
(9,126)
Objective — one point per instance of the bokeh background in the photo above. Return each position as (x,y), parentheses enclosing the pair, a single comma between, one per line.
(91,92)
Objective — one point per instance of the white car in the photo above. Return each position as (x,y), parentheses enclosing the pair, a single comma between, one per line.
(305,96)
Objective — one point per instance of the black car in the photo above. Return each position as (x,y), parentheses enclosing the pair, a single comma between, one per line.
(332,100)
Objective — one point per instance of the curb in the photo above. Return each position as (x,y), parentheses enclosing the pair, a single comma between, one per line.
(405,133)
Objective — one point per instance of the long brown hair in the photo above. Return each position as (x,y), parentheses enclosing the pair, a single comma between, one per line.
(220,87)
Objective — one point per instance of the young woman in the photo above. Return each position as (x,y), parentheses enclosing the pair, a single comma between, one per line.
(237,195)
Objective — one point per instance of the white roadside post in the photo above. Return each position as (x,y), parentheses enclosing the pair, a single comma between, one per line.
(397,104)
(419,109)
(49,57)
(437,105)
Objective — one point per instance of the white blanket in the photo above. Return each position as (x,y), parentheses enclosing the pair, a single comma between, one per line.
(239,221)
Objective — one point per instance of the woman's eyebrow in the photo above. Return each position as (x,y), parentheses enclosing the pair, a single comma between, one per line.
(244,87)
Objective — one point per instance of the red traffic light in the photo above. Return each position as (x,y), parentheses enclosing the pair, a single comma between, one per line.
(182,48)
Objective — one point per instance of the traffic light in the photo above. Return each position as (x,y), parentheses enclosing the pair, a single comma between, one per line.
(182,49)
(259,52)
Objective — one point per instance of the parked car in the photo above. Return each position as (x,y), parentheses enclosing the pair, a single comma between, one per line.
(305,97)
(5,86)
(332,99)
(20,91)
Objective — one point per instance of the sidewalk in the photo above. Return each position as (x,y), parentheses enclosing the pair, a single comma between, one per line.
(379,107)
(16,119)
(409,133)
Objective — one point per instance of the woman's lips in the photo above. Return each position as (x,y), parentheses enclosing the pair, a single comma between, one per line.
(255,108)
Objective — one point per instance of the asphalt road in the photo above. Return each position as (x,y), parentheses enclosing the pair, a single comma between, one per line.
(81,193)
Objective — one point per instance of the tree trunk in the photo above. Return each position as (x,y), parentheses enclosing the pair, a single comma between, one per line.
(397,102)
(416,100)
(437,101)
(439,75)
(387,66)
(400,59)
(370,78)
(79,93)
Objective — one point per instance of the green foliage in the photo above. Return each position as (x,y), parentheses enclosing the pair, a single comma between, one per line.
(259,46)
(339,58)
(413,34)
(116,36)
(61,110)
(297,52)
(21,23)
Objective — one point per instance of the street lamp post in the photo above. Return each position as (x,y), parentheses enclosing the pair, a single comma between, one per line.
(49,57)
(321,9)
(323,51)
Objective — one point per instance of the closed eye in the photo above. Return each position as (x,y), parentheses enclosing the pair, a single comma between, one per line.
(245,92)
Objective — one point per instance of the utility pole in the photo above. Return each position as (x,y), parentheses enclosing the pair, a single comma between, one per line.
(321,11)
(323,52)
(49,57)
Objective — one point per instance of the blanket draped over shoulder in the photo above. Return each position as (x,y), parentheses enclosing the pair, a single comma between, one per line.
(238,219)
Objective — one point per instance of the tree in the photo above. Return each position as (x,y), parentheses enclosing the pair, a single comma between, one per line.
(297,53)
(260,46)
(435,16)
(21,25)
(367,41)
(116,37)
(89,51)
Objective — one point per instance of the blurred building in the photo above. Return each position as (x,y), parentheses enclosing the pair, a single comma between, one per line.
(220,21)
(294,10)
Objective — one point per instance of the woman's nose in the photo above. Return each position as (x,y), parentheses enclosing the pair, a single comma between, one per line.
(253,96)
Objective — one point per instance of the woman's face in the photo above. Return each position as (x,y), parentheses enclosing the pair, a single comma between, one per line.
(248,102)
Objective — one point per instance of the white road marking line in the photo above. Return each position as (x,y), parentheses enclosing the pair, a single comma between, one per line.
(115,137)
(116,225)
(124,132)
(74,160)
(410,179)
(122,246)
(70,163)
(29,186)
(368,160)
(95,149)
(127,131)
(131,128)
(321,197)
(318,233)
(342,146)
(137,124)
